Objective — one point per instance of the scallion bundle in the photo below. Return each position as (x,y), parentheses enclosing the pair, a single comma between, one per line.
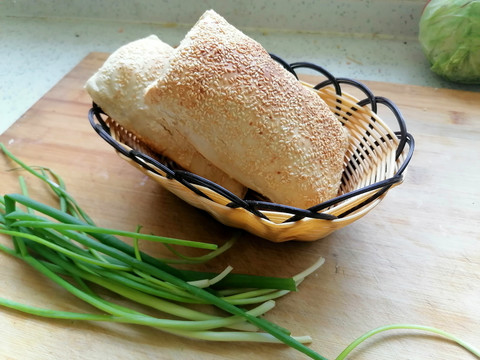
(65,245)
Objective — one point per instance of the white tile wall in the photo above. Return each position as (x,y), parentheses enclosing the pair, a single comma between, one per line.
(391,17)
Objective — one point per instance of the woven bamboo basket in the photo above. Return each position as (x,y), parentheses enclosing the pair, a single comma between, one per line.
(376,161)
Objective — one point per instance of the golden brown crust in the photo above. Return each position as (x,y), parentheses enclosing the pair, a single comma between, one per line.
(249,116)
(118,88)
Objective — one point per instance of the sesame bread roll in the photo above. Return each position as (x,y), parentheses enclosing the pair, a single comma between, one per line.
(249,116)
(118,87)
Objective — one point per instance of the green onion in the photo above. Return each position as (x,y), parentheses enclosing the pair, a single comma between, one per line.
(430,329)
(67,247)
(204,258)
(105,241)
(99,230)
(112,247)
(70,246)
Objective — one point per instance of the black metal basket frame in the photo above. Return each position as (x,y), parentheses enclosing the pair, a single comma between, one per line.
(189,180)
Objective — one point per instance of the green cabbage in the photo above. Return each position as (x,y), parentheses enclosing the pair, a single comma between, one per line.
(450,38)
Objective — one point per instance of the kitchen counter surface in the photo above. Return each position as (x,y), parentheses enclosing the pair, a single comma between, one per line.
(36,52)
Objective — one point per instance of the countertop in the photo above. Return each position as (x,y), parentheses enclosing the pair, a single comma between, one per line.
(41,42)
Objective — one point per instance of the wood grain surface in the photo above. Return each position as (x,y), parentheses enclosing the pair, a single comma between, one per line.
(414,259)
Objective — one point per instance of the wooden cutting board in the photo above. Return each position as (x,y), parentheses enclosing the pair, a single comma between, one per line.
(414,259)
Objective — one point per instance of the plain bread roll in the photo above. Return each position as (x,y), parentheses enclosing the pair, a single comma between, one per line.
(118,87)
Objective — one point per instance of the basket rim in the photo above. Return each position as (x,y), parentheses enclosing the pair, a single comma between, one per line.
(190,180)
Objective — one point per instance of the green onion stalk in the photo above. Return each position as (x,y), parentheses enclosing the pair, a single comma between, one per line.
(65,245)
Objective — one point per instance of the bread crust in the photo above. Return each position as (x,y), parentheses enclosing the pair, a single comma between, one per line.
(249,116)
(118,87)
